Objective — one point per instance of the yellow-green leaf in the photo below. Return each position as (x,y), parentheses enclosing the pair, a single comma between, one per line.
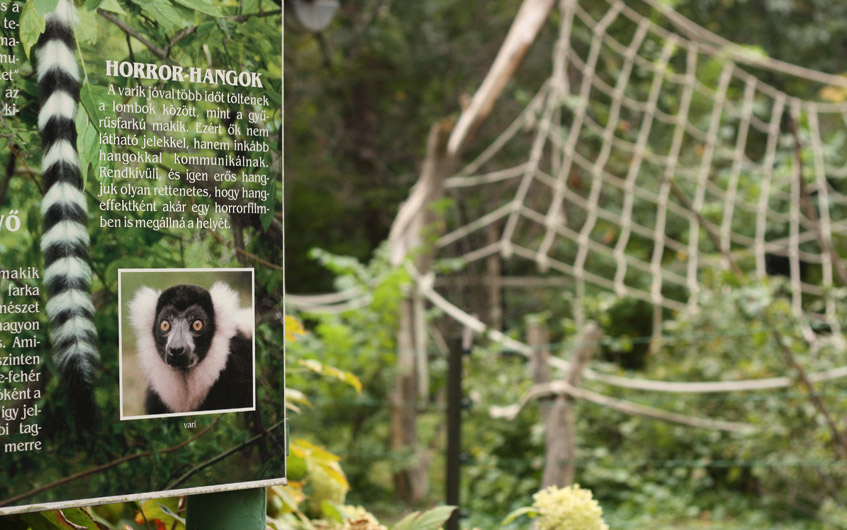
(331,371)
(293,327)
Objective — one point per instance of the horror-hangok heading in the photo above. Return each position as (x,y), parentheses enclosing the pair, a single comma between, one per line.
(167,72)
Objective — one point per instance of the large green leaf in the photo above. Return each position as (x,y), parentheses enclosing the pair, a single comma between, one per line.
(86,30)
(87,142)
(203,6)
(76,517)
(32,26)
(113,6)
(406,522)
(526,510)
(45,6)
(68,519)
(163,13)
(433,519)
(36,521)
(428,520)
(163,510)
(332,511)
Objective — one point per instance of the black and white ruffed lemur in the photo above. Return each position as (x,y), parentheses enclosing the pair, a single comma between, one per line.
(195,348)
(64,240)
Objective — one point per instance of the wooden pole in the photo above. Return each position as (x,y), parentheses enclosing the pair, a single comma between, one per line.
(404,433)
(411,382)
(539,363)
(241,510)
(560,461)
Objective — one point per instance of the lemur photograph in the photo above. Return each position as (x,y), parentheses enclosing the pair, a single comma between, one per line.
(186,342)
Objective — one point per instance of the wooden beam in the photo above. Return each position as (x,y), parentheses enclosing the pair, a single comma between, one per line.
(528,22)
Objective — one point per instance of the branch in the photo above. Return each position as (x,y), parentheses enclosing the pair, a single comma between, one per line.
(559,388)
(162,54)
(716,240)
(104,467)
(234,18)
(30,172)
(528,22)
(839,439)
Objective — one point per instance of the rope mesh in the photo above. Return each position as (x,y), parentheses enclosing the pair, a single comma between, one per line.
(654,157)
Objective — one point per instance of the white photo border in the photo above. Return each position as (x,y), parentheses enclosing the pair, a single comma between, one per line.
(124,417)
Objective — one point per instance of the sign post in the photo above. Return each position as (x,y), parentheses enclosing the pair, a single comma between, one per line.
(244,510)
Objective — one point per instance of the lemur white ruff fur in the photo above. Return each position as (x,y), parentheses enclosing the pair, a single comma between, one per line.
(64,240)
(220,377)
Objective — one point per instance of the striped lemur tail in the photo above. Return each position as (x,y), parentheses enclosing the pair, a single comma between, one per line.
(64,240)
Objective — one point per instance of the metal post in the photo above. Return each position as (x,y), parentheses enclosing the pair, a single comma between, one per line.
(233,510)
(454,424)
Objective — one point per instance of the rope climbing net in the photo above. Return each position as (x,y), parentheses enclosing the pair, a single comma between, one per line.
(654,153)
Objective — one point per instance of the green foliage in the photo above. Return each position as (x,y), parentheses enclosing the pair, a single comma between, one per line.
(360,101)
(164,511)
(68,519)
(317,490)
(156,513)
(647,472)
(108,5)
(361,342)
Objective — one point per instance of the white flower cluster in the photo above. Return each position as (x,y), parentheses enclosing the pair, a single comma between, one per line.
(569,508)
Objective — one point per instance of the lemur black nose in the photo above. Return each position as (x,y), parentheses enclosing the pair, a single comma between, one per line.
(175,354)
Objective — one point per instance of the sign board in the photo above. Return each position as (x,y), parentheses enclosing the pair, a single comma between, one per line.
(141,284)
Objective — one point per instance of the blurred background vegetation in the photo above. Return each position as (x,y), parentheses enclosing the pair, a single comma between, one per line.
(360,99)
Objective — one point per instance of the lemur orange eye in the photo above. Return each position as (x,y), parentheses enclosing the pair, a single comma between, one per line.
(197,325)
(164,325)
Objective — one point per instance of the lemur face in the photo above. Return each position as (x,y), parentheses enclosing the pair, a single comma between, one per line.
(184,325)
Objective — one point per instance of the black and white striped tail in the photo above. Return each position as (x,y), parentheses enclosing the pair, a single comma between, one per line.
(64,240)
